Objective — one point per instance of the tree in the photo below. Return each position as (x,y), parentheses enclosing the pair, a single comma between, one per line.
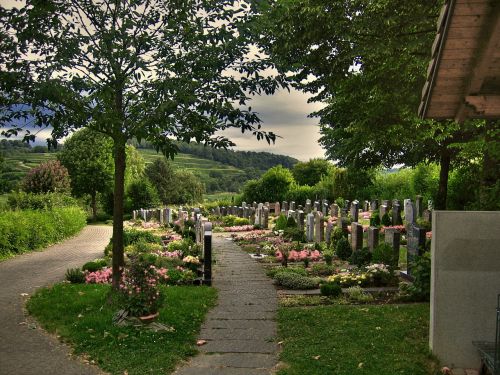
(275,183)
(146,69)
(367,62)
(48,177)
(310,172)
(161,175)
(88,156)
(188,187)
(142,194)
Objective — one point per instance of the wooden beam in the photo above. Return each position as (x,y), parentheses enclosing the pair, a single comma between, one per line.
(487,106)
(485,55)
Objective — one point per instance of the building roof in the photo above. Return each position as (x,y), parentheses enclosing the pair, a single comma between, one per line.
(463,78)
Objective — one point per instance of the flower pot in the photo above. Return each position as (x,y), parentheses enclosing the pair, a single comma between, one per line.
(149,318)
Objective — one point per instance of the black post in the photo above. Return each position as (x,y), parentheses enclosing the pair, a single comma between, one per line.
(207,258)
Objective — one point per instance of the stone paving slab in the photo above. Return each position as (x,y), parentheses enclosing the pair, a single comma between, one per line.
(240,331)
(24,348)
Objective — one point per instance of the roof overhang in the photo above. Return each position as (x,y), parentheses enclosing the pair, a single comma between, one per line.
(463,78)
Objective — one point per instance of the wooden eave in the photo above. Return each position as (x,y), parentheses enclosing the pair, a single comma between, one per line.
(463,78)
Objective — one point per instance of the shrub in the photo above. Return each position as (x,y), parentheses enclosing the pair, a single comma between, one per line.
(274,271)
(337,234)
(132,236)
(294,234)
(343,249)
(47,177)
(92,266)
(281,223)
(357,294)
(384,254)
(386,220)
(75,276)
(141,194)
(27,230)
(424,224)
(361,257)
(291,280)
(43,201)
(375,219)
(321,269)
(328,257)
(231,221)
(330,289)
(291,223)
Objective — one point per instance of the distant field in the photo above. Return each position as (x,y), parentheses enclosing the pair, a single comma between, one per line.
(21,162)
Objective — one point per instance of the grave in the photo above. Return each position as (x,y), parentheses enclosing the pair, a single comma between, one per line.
(356,236)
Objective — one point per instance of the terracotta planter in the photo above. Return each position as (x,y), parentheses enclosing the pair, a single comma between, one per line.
(149,318)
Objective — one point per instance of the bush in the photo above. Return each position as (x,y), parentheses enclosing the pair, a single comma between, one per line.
(375,219)
(361,257)
(280,223)
(274,271)
(321,269)
(132,236)
(75,276)
(47,177)
(424,224)
(330,289)
(294,234)
(386,220)
(141,194)
(43,201)
(343,249)
(27,230)
(328,257)
(231,221)
(291,223)
(291,280)
(337,234)
(93,266)
(357,294)
(384,254)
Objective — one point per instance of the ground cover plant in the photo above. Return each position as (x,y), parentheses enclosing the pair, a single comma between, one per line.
(349,339)
(87,325)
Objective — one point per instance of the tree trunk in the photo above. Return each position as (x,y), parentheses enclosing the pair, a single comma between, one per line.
(490,172)
(118,259)
(94,206)
(443,179)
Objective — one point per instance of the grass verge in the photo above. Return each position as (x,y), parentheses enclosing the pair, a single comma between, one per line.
(80,315)
(364,340)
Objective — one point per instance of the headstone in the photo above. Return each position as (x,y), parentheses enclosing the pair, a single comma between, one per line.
(300,219)
(319,230)
(284,205)
(328,234)
(168,215)
(396,215)
(317,206)
(252,214)
(373,235)
(356,236)
(310,227)
(347,205)
(387,203)
(292,206)
(355,211)
(134,215)
(217,211)
(160,216)
(393,238)
(374,205)
(427,215)
(366,206)
(277,209)
(342,223)
(308,206)
(265,220)
(291,214)
(416,240)
(334,210)
(410,212)
(419,205)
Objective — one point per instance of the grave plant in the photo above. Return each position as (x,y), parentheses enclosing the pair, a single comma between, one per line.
(151,70)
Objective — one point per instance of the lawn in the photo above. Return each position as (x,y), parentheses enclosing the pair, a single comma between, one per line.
(363,340)
(80,315)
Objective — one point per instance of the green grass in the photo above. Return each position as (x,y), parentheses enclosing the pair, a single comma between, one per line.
(80,315)
(364,340)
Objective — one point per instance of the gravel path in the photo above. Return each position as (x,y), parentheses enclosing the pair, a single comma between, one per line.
(25,349)
(240,331)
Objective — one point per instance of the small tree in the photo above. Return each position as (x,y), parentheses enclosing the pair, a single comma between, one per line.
(311,172)
(88,156)
(161,175)
(48,177)
(142,194)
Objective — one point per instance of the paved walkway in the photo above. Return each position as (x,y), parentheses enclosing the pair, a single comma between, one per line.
(23,349)
(240,331)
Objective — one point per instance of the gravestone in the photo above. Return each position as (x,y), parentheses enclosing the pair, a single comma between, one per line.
(373,235)
(356,236)
(410,212)
(427,216)
(252,214)
(347,205)
(277,209)
(396,215)
(291,214)
(168,215)
(393,238)
(416,240)
(310,227)
(307,208)
(374,205)
(300,219)
(355,211)
(342,223)
(383,211)
(217,211)
(328,233)
(419,205)
(160,216)
(254,204)
(366,206)
(223,211)
(292,206)
(387,203)
(319,228)
(284,206)
(316,206)
(334,210)
(134,215)
(265,222)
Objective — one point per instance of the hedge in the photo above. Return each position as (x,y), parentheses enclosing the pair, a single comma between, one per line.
(28,230)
